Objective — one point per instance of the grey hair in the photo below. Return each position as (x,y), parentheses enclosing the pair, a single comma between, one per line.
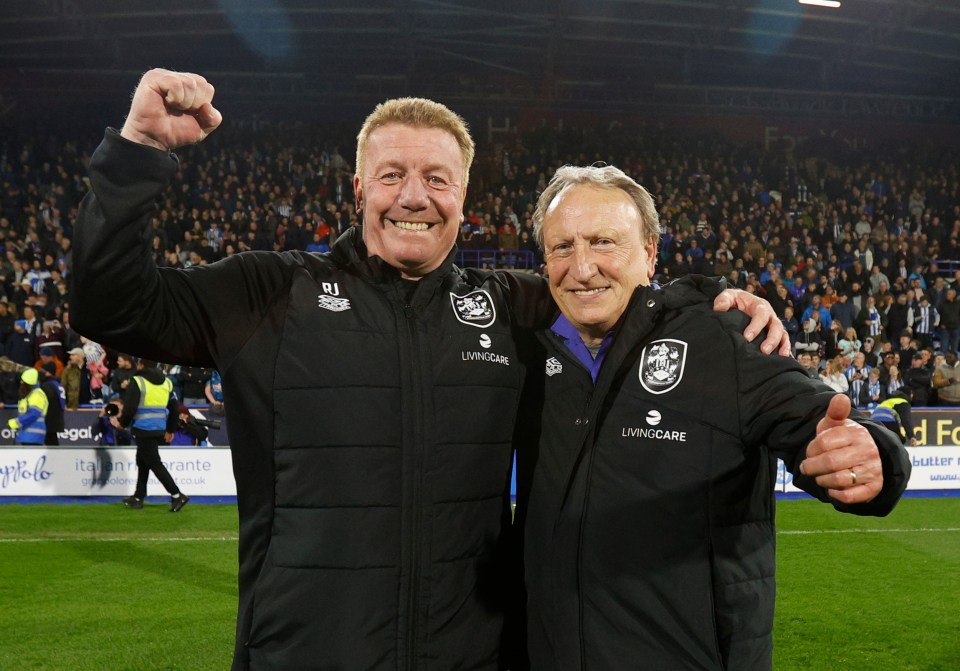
(604,177)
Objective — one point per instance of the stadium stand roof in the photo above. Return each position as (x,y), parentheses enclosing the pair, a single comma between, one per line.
(869,58)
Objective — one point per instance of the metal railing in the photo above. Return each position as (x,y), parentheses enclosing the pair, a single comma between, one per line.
(520,259)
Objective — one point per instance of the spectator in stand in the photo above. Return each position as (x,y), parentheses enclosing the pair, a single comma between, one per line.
(946,380)
(213,390)
(925,321)
(809,338)
(833,376)
(873,392)
(121,373)
(805,359)
(894,380)
(96,363)
(872,356)
(843,311)
(918,380)
(74,379)
(907,348)
(192,381)
(899,317)
(869,321)
(317,245)
(509,242)
(19,345)
(47,357)
(32,324)
(857,373)
(6,321)
(889,360)
(950,322)
(816,306)
(850,344)
(790,324)
(831,341)
(51,338)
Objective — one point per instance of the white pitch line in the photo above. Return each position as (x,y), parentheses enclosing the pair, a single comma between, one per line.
(118,540)
(862,531)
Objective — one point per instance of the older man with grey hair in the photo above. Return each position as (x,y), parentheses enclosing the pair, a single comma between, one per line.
(648,505)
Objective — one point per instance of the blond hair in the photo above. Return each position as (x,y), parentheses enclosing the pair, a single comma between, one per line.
(418,113)
(605,177)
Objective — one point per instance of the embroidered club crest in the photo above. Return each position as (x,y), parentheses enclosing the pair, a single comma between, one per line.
(333,303)
(553,367)
(475,308)
(661,365)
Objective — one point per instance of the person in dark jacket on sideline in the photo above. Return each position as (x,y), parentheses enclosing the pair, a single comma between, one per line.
(56,402)
(648,507)
(374,505)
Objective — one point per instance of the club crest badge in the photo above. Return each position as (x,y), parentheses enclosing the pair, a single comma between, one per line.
(475,308)
(661,365)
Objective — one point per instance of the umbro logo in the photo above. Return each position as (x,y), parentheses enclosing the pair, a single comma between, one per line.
(553,367)
(332,303)
(330,298)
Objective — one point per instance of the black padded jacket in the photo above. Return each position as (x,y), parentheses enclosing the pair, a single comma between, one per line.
(371,434)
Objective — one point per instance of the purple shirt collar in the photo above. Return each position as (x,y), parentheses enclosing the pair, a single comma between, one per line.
(571,338)
(575,345)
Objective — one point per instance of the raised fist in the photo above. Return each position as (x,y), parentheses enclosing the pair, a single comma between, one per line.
(171,109)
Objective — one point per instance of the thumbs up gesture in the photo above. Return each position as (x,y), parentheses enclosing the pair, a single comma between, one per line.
(843,458)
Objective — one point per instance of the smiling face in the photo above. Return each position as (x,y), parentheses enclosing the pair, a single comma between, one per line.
(596,256)
(411,194)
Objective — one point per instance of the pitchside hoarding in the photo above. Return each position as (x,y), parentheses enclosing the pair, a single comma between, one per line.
(78,469)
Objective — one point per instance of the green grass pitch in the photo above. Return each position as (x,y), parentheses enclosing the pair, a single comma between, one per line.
(103,588)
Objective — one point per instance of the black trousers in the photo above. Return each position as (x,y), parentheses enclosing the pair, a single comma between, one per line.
(148,459)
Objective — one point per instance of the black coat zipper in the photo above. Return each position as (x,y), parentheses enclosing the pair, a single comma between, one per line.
(414,514)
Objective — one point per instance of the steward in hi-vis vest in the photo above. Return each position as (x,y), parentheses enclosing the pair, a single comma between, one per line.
(150,409)
(31,420)
(894,413)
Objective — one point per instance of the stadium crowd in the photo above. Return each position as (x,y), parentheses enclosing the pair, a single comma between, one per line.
(858,251)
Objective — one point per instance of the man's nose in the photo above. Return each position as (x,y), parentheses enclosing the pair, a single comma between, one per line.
(413,193)
(584,266)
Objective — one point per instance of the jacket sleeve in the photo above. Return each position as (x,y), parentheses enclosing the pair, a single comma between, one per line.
(173,414)
(200,316)
(779,406)
(131,402)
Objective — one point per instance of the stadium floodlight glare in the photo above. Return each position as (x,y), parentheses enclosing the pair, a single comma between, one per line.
(822,3)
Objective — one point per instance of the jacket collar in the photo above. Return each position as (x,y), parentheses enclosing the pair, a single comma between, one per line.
(351,251)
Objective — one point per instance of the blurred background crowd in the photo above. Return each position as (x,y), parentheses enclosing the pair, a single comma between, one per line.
(857,250)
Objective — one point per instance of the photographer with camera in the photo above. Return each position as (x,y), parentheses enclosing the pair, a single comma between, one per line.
(150,407)
(192,431)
